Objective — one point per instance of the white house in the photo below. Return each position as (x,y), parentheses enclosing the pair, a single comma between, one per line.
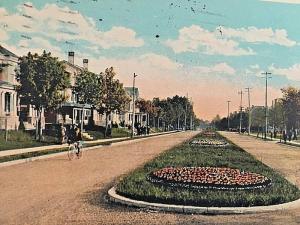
(8,95)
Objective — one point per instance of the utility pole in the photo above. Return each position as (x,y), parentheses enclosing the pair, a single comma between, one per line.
(241,111)
(191,121)
(249,112)
(185,113)
(228,124)
(266,103)
(133,105)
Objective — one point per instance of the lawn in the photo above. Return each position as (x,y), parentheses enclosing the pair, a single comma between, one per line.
(137,186)
(19,139)
(116,133)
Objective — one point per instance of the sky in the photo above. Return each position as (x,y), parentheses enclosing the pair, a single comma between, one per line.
(206,50)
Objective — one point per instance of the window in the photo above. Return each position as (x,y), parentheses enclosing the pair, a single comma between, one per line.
(7,102)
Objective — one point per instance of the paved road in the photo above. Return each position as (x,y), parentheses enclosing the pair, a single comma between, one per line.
(56,191)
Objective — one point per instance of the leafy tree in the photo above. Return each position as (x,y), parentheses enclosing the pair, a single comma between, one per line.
(277,115)
(42,79)
(291,105)
(148,107)
(173,110)
(88,87)
(113,95)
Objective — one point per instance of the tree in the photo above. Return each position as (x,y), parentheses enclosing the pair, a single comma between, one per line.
(88,87)
(113,95)
(42,80)
(291,106)
(277,115)
(148,107)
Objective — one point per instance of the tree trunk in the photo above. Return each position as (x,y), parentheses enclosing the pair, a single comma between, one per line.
(82,118)
(106,124)
(39,133)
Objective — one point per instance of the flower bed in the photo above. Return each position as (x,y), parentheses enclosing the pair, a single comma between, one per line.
(209,134)
(208,142)
(209,177)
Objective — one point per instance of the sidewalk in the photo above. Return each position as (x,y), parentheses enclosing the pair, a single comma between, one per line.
(277,140)
(52,147)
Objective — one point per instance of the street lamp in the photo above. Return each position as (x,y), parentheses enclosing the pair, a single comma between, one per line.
(133,105)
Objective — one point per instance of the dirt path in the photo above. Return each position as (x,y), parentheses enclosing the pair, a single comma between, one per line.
(283,158)
(56,191)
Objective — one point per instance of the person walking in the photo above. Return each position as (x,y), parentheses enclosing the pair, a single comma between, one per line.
(290,135)
(284,136)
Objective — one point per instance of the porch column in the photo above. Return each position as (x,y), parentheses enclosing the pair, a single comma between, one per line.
(12,105)
(1,104)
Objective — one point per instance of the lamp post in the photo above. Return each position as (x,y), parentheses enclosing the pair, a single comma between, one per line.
(133,105)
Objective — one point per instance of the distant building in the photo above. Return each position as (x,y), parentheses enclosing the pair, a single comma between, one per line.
(127,115)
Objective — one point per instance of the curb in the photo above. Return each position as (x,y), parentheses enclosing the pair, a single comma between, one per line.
(116,198)
(117,143)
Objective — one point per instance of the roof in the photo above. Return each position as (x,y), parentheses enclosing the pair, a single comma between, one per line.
(5,51)
(73,65)
(6,84)
(130,91)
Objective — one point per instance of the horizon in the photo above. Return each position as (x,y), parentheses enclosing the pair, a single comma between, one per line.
(192,48)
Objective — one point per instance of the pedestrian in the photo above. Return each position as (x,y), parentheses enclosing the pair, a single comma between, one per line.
(294,134)
(62,134)
(290,135)
(284,136)
(271,133)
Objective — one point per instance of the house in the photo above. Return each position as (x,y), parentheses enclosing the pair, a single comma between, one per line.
(127,115)
(8,96)
(11,109)
(71,111)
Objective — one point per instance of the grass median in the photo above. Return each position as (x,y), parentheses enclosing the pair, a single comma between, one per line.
(137,185)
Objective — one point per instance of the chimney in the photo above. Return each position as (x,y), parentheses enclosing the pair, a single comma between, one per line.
(71,58)
(85,64)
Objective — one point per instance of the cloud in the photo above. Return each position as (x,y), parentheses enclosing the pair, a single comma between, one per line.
(283,1)
(3,35)
(255,35)
(195,38)
(292,73)
(159,61)
(221,68)
(62,24)
(35,45)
